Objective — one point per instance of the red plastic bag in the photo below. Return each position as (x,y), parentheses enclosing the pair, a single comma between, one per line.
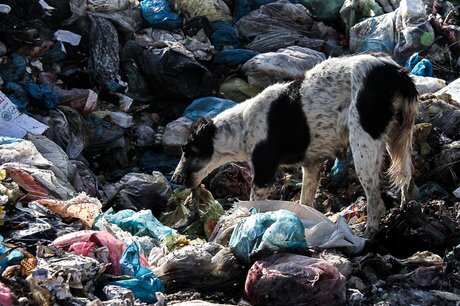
(288,279)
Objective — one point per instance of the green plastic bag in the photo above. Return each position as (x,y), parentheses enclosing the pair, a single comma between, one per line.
(325,10)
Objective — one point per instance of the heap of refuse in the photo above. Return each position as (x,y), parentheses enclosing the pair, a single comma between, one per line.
(97,98)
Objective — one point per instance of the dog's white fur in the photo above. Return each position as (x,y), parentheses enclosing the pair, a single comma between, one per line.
(329,93)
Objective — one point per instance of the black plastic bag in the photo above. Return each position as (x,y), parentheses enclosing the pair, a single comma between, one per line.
(171,73)
(104,58)
(139,191)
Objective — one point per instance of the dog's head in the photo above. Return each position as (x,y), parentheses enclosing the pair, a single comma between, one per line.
(197,155)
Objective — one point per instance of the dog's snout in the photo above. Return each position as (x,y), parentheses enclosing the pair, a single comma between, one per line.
(178,178)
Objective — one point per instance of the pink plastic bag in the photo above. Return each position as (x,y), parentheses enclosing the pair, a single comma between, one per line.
(6,296)
(75,242)
(288,279)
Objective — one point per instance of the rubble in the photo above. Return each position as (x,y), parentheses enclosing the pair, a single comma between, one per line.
(98,97)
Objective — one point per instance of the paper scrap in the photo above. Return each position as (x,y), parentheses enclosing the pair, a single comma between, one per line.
(14,123)
(67,37)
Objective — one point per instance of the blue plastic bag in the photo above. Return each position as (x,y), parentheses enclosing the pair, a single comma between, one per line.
(141,223)
(15,69)
(207,107)
(159,15)
(223,35)
(234,57)
(267,233)
(43,94)
(18,95)
(419,67)
(9,257)
(144,283)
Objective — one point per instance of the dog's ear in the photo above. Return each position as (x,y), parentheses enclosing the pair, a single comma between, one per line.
(199,122)
(200,140)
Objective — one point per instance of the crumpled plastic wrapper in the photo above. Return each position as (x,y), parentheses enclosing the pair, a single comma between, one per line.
(59,272)
(206,266)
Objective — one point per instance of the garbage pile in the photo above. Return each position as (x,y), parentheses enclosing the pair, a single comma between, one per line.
(97,98)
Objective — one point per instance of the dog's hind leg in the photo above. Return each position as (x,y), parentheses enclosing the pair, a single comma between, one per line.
(310,182)
(368,156)
(264,164)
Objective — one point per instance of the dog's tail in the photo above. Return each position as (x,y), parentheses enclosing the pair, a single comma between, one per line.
(399,143)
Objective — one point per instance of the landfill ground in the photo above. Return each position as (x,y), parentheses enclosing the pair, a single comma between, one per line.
(98,99)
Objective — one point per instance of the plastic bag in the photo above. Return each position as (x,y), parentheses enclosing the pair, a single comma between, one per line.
(38,183)
(234,57)
(354,11)
(442,115)
(284,65)
(99,238)
(42,94)
(428,85)
(399,33)
(447,164)
(231,181)
(9,257)
(169,72)
(138,88)
(139,191)
(67,129)
(17,94)
(207,107)
(238,90)
(451,93)
(374,34)
(218,268)
(324,10)
(53,153)
(223,35)
(288,279)
(104,59)
(290,25)
(419,67)
(84,100)
(141,223)
(243,7)
(212,9)
(320,231)
(144,283)
(159,15)
(14,69)
(127,21)
(197,215)
(267,233)
(15,150)
(414,31)
(145,243)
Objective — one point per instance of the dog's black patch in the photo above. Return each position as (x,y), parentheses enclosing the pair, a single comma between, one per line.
(201,140)
(375,99)
(288,136)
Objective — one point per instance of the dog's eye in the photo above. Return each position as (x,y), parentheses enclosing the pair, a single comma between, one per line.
(194,150)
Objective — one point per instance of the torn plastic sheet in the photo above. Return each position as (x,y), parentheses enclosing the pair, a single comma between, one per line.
(319,230)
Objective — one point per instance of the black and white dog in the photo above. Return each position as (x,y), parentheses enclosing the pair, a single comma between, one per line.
(365,101)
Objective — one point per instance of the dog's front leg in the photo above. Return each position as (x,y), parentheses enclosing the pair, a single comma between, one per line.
(259,193)
(310,182)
